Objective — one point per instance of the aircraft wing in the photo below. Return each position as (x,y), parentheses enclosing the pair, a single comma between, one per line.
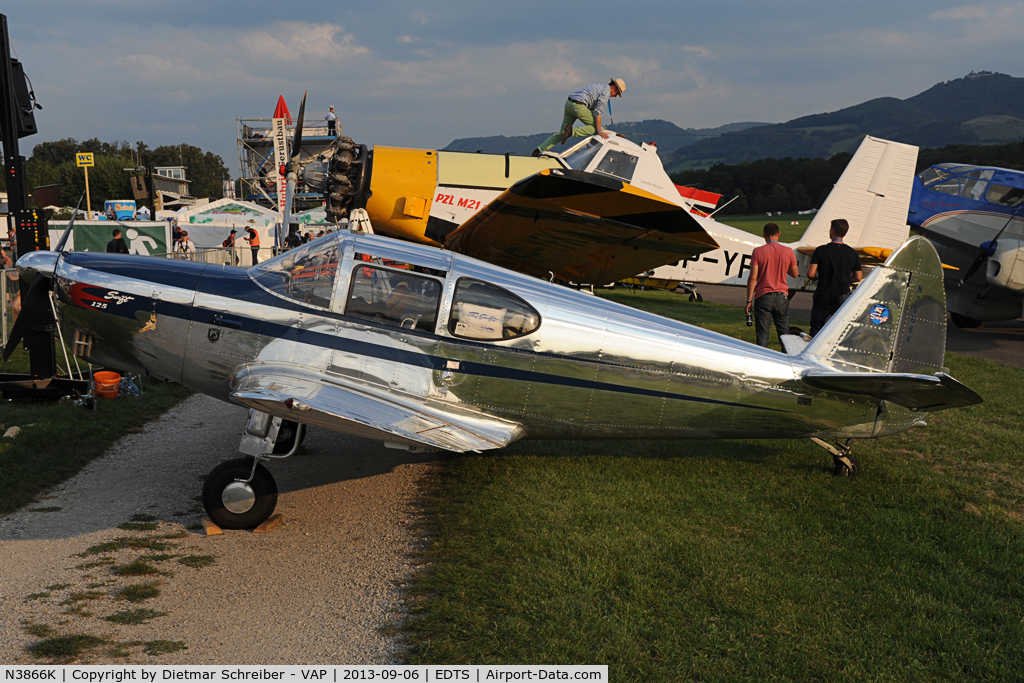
(364,410)
(582,227)
(869,256)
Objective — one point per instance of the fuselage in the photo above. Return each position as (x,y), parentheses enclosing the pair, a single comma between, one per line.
(560,363)
(959,207)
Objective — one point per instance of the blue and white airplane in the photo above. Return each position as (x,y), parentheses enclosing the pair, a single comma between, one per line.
(975,217)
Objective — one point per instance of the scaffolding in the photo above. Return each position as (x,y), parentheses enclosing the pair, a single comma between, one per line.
(256,161)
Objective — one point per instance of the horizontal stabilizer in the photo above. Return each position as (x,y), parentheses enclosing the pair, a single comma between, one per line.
(917,392)
(582,227)
(365,411)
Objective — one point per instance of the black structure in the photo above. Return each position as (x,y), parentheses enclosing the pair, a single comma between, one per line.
(36,324)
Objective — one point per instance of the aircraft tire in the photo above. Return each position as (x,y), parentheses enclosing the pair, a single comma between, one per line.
(696,297)
(248,513)
(962,321)
(843,471)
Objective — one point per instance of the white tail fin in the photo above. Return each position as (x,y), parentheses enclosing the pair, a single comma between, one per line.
(873,194)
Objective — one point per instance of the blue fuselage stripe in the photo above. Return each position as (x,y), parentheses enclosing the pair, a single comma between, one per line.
(235,284)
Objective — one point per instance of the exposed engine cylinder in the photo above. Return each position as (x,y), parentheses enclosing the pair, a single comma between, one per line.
(345,179)
(1006,266)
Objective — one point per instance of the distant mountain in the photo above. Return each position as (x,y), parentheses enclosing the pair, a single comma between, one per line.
(981,108)
(668,136)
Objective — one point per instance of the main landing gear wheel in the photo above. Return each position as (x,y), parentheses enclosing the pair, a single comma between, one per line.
(963,322)
(233,500)
(696,297)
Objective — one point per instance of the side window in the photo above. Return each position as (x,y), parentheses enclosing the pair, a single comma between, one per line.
(394,297)
(618,164)
(1002,194)
(306,274)
(484,312)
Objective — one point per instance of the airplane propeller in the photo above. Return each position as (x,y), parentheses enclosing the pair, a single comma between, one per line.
(35,309)
(293,164)
(986,250)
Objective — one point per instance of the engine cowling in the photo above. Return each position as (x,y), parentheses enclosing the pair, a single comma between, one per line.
(1005,267)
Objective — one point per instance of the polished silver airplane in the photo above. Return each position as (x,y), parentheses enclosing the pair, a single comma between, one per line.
(423,348)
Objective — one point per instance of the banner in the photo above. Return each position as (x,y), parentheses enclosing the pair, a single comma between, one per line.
(144,238)
(124,209)
(280,133)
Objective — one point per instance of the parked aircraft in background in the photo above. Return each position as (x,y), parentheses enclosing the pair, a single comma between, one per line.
(602,211)
(975,217)
(425,348)
(873,195)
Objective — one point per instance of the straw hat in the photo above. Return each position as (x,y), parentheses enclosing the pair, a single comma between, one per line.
(620,84)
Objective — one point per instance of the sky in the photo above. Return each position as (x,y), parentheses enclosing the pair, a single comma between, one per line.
(422,74)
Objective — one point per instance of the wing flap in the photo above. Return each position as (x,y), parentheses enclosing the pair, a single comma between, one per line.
(364,410)
(582,227)
(917,392)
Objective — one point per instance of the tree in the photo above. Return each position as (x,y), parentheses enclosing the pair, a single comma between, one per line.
(107,180)
(205,170)
(779,199)
(800,200)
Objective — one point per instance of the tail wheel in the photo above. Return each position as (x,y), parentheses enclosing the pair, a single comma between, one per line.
(846,466)
(233,503)
(696,297)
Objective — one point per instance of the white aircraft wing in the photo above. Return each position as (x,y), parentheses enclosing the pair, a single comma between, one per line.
(365,410)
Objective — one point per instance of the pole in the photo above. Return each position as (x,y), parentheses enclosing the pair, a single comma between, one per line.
(88,204)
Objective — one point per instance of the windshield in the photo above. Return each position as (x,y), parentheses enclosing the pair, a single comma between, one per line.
(306,273)
(579,159)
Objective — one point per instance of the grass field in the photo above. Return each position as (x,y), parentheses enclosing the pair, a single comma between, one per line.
(64,437)
(755,224)
(739,560)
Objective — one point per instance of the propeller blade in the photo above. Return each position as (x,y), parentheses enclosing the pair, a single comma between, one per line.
(33,303)
(297,144)
(67,230)
(973,268)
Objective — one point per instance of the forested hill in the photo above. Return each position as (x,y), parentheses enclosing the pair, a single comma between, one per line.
(666,134)
(982,108)
(789,184)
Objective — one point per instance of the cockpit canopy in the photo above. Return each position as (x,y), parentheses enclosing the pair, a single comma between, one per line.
(403,293)
(983,184)
(619,158)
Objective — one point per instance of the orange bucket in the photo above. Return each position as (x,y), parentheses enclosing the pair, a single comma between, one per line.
(106,384)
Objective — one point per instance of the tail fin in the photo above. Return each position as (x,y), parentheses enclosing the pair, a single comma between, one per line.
(895,321)
(873,194)
(888,340)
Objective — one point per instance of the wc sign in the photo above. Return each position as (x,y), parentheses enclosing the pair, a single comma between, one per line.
(84,159)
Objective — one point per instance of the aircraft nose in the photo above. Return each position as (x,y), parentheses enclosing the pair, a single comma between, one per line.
(37,262)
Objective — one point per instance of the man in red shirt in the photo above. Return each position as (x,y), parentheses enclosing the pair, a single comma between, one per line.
(767,291)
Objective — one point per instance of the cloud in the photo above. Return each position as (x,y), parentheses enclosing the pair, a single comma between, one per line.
(960,13)
(295,41)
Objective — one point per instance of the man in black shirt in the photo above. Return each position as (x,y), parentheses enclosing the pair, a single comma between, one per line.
(835,265)
(117,245)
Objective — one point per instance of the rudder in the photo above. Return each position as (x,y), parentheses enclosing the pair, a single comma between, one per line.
(894,322)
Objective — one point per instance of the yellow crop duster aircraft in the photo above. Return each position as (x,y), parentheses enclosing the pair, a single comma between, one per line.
(604,211)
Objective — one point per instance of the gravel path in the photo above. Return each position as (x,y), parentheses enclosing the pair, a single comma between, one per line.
(317,589)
